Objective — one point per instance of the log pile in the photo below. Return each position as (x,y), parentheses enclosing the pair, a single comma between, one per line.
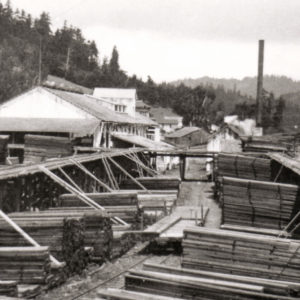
(27,265)
(8,288)
(243,254)
(122,242)
(242,166)
(3,148)
(153,183)
(39,147)
(258,203)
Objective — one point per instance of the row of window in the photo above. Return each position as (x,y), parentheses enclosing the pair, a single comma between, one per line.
(120,108)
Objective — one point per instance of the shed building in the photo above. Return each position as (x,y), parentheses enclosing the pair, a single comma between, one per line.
(188,137)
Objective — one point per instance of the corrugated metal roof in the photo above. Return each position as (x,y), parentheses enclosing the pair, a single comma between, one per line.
(92,106)
(115,93)
(183,132)
(141,141)
(60,83)
(77,126)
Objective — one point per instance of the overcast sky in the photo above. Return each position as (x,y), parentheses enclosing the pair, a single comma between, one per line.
(173,39)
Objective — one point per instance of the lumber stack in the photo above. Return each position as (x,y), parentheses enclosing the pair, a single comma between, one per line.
(8,288)
(3,148)
(47,230)
(238,286)
(265,144)
(153,183)
(242,166)
(243,254)
(123,205)
(67,233)
(258,203)
(157,202)
(115,294)
(27,265)
(40,147)
(122,242)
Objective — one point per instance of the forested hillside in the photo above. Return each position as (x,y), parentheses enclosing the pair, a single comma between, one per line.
(30,50)
(278,85)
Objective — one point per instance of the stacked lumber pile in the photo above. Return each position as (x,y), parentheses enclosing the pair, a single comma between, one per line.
(3,148)
(123,205)
(115,294)
(122,242)
(265,144)
(242,166)
(210,284)
(8,288)
(97,228)
(28,265)
(258,203)
(153,183)
(157,202)
(244,254)
(39,147)
(67,233)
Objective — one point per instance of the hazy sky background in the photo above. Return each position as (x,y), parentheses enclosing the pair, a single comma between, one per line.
(173,39)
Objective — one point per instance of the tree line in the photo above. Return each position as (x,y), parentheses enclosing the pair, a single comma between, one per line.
(28,46)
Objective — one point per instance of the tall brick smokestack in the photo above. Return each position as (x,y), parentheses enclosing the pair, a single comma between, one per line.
(260,82)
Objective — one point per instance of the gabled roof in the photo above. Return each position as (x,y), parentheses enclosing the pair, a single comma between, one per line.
(63,84)
(113,93)
(184,131)
(92,106)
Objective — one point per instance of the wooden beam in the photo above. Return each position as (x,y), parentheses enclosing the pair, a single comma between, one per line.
(74,191)
(84,169)
(127,174)
(70,179)
(25,235)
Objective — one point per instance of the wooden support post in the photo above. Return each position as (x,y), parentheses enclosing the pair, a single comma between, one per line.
(84,169)
(70,179)
(25,235)
(127,174)
(79,194)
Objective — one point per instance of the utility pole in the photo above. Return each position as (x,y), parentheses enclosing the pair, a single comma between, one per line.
(259,94)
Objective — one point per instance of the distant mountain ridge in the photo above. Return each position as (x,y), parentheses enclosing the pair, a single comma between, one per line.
(279,85)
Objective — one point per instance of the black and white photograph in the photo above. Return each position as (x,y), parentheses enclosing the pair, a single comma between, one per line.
(150,149)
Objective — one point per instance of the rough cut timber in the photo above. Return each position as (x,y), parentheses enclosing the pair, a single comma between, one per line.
(190,287)
(241,254)
(123,205)
(242,166)
(270,286)
(39,147)
(153,183)
(65,232)
(8,288)
(115,294)
(258,203)
(28,265)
